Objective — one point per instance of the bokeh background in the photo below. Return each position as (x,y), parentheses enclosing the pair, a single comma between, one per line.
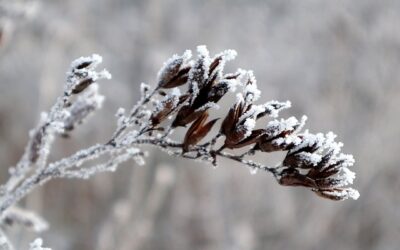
(337,61)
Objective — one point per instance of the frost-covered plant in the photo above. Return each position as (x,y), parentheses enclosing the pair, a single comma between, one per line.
(187,91)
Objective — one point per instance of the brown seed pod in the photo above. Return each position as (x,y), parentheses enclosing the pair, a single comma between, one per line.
(214,65)
(235,135)
(176,80)
(336,194)
(169,106)
(169,71)
(82,85)
(291,177)
(197,131)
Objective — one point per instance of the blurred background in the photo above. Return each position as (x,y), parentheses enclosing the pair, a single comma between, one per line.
(337,61)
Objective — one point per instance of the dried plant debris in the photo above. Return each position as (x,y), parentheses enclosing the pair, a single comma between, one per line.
(186,93)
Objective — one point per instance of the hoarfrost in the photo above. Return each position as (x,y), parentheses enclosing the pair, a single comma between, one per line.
(37,244)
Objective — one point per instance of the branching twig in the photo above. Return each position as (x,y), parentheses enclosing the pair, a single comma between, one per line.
(186,92)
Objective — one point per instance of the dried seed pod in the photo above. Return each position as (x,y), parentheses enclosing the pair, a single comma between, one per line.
(337,194)
(218,63)
(303,157)
(253,138)
(238,125)
(178,80)
(198,74)
(185,116)
(315,163)
(229,126)
(82,74)
(82,108)
(82,85)
(83,64)
(292,177)
(174,72)
(232,76)
(218,91)
(169,71)
(197,131)
(231,119)
(168,106)
(215,63)
(280,135)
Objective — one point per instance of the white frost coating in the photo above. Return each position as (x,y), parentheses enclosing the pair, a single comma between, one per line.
(229,54)
(110,166)
(232,85)
(208,105)
(253,171)
(301,124)
(86,103)
(252,113)
(104,74)
(144,88)
(43,117)
(37,244)
(248,126)
(288,140)
(285,124)
(203,51)
(120,112)
(205,62)
(274,107)
(347,176)
(276,127)
(173,63)
(330,143)
(169,64)
(195,90)
(251,91)
(344,194)
(76,75)
(310,140)
(225,56)
(172,96)
(310,158)
(187,55)
(94,59)
(348,160)
(354,194)
(239,98)
(175,92)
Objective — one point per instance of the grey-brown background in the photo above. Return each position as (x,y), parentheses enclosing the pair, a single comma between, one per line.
(337,61)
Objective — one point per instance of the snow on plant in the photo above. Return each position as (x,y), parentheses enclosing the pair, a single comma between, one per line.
(37,245)
(187,91)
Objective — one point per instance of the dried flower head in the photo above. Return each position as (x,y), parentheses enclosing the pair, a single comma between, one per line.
(186,93)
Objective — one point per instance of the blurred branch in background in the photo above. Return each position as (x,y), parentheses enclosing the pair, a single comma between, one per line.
(126,228)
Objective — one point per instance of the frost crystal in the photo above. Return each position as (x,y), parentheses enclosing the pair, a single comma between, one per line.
(274,107)
(251,91)
(37,244)
(82,73)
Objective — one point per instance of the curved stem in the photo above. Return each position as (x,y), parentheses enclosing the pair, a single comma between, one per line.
(134,112)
